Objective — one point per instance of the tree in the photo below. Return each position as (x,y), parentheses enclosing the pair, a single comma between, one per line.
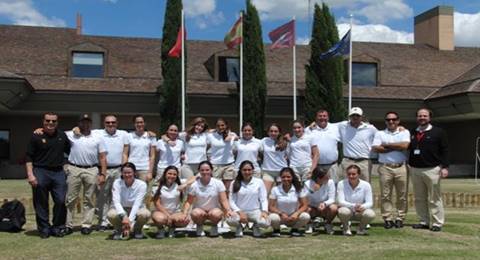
(254,71)
(323,78)
(171,89)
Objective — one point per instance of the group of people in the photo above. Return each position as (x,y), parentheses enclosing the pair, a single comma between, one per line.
(207,176)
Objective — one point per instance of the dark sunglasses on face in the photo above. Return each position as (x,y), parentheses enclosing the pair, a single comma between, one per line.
(110,122)
(391,119)
(50,121)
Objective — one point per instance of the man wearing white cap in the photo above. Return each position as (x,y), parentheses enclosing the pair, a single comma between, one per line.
(357,138)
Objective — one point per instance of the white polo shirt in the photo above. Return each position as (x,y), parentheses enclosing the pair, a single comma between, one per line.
(220,151)
(348,197)
(113,144)
(273,160)
(300,151)
(195,148)
(169,155)
(326,140)
(85,149)
(357,142)
(207,196)
(251,196)
(170,198)
(287,201)
(139,150)
(388,137)
(128,197)
(247,150)
(325,194)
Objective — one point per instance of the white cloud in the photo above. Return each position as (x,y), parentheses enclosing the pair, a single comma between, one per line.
(375,11)
(302,40)
(198,7)
(466,27)
(22,12)
(375,33)
(111,1)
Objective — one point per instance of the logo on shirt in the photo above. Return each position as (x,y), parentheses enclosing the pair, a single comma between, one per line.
(44,140)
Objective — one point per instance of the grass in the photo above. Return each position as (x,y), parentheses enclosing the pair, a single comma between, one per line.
(460,239)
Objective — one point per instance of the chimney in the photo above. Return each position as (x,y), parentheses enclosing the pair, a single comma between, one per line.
(435,28)
(79,24)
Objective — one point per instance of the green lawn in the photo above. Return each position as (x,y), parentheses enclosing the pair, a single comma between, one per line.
(460,239)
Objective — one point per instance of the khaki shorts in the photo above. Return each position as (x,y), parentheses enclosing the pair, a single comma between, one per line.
(224,171)
(271,176)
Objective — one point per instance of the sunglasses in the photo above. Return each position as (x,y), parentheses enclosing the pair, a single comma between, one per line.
(110,122)
(50,121)
(391,119)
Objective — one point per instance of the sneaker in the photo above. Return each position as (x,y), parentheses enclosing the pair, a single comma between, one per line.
(362,231)
(117,235)
(367,226)
(436,228)
(214,231)
(295,233)
(200,232)
(171,232)
(44,235)
(160,234)
(138,235)
(309,229)
(256,231)
(86,231)
(420,226)
(68,231)
(101,228)
(347,231)
(239,231)
(276,233)
(398,223)
(388,224)
(329,229)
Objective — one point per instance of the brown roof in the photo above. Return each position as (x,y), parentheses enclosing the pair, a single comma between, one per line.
(468,82)
(9,75)
(42,56)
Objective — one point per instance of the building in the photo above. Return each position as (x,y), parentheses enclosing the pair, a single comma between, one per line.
(59,69)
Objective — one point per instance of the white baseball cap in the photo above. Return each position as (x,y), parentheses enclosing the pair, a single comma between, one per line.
(355,111)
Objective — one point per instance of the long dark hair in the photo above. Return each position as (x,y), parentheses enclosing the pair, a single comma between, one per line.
(227,128)
(318,173)
(297,184)
(191,129)
(163,181)
(238,180)
(280,141)
(129,165)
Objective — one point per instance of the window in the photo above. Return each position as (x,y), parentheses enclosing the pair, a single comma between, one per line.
(87,65)
(364,74)
(229,69)
(4,144)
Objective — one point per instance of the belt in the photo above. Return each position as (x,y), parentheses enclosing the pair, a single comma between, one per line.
(393,165)
(50,168)
(357,159)
(83,166)
(327,164)
(114,166)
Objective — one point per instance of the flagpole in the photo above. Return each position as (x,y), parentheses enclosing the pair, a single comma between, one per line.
(182,28)
(241,80)
(350,66)
(294,74)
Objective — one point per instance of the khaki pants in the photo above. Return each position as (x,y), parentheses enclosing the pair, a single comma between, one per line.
(303,172)
(142,175)
(345,214)
(76,178)
(224,171)
(254,216)
(271,176)
(104,195)
(332,170)
(143,215)
(302,220)
(428,196)
(364,165)
(389,178)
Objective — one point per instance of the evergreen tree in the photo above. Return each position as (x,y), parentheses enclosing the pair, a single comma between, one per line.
(254,71)
(171,89)
(323,78)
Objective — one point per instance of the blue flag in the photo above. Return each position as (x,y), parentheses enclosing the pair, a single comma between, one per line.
(341,48)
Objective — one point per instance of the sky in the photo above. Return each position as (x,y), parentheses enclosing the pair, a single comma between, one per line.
(374,20)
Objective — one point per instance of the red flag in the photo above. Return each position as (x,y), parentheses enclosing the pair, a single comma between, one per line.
(283,36)
(235,36)
(176,50)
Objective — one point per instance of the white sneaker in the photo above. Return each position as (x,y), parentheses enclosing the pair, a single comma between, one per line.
(239,231)
(117,235)
(276,233)
(160,234)
(362,231)
(171,232)
(329,229)
(347,231)
(309,229)
(367,226)
(200,232)
(138,235)
(214,231)
(256,231)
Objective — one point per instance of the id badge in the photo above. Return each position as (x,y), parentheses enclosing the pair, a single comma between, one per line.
(416,151)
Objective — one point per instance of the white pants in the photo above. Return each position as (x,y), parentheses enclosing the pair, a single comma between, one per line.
(303,219)
(254,216)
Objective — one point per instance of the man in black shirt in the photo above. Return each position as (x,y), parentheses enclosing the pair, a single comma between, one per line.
(45,159)
(428,163)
